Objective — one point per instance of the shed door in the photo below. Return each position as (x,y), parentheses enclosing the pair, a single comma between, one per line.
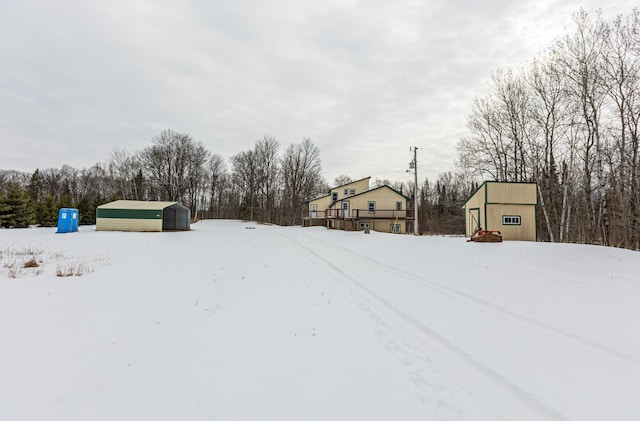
(473,222)
(314,211)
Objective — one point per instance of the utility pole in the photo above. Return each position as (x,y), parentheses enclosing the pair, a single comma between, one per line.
(414,166)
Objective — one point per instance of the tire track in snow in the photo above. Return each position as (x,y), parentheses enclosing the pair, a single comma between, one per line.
(523,320)
(520,394)
(423,373)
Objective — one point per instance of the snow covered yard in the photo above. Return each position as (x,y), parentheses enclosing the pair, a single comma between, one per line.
(271,323)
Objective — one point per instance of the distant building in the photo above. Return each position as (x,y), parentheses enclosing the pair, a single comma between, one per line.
(503,206)
(353,207)
(134,215)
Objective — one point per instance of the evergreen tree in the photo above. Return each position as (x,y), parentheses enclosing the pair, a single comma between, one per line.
(17,210)
(4,208)
(36,186)
(87,211)
(65,200)
(47,212)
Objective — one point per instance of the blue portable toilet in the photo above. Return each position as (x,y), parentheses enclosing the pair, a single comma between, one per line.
(67,220)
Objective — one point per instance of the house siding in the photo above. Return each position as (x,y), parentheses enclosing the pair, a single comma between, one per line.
(359,186)
(384,225)
(381,218)
(385,198)
(322,204)
(385,205)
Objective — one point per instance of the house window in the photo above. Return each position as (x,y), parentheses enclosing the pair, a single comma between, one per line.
(352,192)
(510,220)
(334,196)
(398,205)
(371,206)
(395,228)
(345,205)
(364,225)
(346,192)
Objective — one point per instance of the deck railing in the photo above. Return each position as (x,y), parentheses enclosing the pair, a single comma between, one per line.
(314,214)
(360,214)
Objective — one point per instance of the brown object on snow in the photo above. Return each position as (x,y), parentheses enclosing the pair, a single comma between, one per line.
(483,236)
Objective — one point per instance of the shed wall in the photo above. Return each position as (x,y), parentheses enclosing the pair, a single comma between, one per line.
(129,213)
(475,202)
(526,231)
(520,193)
(176,218)
(121,224)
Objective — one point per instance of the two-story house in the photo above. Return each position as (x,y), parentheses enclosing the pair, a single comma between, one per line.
(353,206)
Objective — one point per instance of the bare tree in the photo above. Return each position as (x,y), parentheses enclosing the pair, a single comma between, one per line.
(550,114)
(125,169)
(268,176)
(341,180)
(174,164)
(245,177)
(580,57)
(216,179)
(621,70)
(301,169)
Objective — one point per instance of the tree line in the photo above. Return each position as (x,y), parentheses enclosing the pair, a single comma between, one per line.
(569,121)
(265,183)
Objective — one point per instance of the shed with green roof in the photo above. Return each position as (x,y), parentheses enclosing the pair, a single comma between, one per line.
(136,215)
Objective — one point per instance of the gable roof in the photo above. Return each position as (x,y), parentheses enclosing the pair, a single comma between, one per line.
(374,189)
(334,188)
(317,198)
(350,182)
(137,205)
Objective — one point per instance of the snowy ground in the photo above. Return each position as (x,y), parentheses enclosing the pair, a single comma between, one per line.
(236,321)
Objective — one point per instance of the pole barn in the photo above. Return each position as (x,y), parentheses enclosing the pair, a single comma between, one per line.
(134,215)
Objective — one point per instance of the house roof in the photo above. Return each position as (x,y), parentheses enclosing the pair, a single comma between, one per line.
(374,189)
(320,197)
(336,187)
(136,205)
(350,182)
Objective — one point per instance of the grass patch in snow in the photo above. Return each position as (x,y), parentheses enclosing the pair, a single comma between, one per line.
(65,269)
(20,262)
(31,263)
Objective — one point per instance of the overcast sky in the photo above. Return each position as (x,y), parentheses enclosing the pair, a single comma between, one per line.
(365,80)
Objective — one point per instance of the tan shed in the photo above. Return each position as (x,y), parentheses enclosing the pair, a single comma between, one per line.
(135,215)
(503,206)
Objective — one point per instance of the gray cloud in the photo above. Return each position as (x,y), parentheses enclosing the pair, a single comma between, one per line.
(363,79)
